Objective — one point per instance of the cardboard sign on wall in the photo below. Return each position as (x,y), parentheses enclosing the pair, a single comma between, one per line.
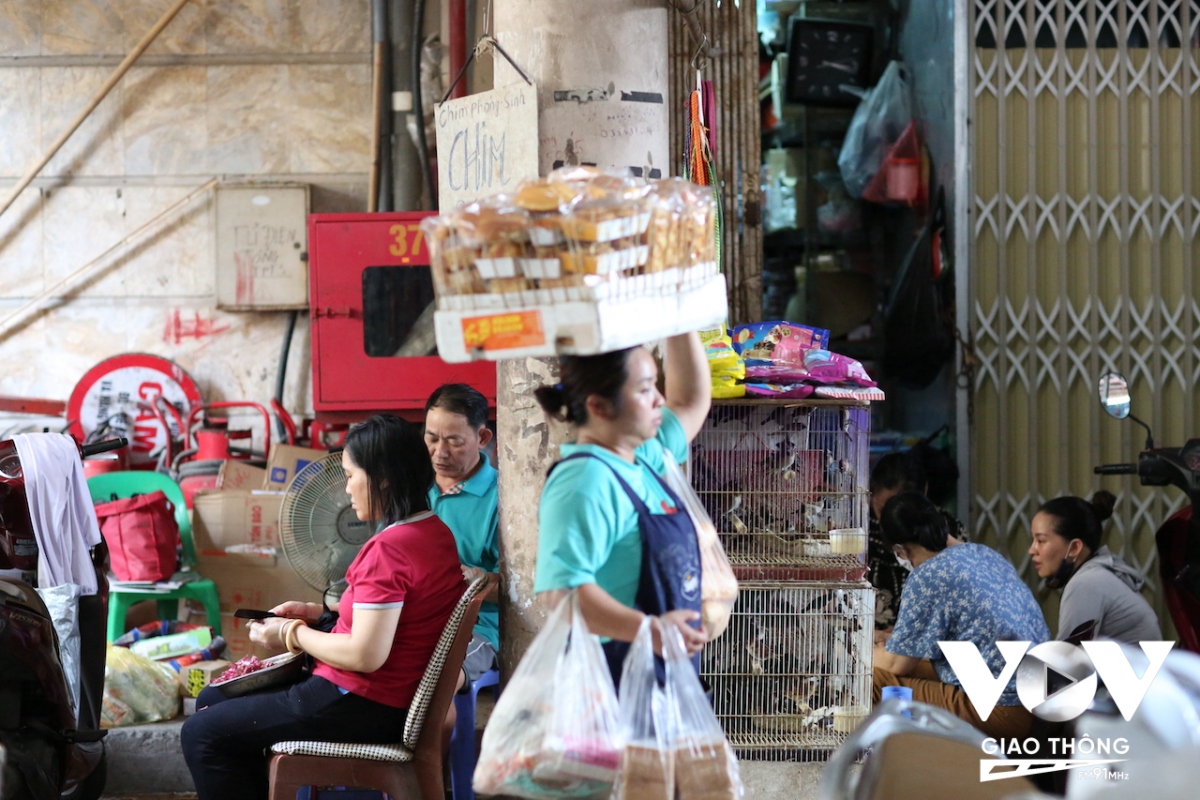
(489,141)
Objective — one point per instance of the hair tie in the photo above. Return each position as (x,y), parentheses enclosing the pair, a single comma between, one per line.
(558,387)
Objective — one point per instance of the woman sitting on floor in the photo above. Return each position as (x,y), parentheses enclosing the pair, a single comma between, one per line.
(966,593)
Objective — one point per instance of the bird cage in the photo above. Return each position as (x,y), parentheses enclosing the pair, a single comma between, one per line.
(777,476)
(791,676)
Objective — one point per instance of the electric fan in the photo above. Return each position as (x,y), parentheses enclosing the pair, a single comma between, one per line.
(319,530)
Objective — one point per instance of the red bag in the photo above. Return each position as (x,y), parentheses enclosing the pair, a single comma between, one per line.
(141,534)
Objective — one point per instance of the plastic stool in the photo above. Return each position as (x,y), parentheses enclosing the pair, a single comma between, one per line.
(462,744)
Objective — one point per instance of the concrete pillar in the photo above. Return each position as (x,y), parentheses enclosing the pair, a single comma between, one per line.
(602,75)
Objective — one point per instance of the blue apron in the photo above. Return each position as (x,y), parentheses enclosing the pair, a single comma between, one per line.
(670,570)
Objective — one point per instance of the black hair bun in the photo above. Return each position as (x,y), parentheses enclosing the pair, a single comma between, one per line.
(551,399)
(1103,503)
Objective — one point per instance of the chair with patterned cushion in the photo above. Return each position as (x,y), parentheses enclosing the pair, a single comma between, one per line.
(413,769)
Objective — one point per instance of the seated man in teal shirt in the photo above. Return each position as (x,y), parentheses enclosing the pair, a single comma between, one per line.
(464,495)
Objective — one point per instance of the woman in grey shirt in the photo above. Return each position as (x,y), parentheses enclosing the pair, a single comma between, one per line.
(1096,583)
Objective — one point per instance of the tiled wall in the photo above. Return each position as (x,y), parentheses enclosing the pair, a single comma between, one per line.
(242,89)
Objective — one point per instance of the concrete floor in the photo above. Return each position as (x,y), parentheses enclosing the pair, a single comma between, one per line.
(145,763)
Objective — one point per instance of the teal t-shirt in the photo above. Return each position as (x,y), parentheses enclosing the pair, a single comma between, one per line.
(473,516)
(588,526)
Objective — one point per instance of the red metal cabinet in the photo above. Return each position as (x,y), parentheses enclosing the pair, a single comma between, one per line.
(371,310)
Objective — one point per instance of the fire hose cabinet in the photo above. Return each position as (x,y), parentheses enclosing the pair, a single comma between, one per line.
(371,307)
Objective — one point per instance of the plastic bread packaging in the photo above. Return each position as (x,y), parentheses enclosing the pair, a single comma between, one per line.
(498,230)
(705,765)
(647,758)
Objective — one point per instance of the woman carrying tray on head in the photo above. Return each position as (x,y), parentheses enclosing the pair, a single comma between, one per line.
(608,524)
(401,590)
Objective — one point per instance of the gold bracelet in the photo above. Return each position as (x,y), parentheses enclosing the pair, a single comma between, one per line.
(289,637)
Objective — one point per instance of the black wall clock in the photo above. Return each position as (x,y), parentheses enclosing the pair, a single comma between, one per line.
(825,54)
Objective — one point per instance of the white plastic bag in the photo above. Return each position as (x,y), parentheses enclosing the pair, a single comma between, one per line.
(705,766)
(879,121)
(553,733)
(647,761)
(718,584)
(62,602)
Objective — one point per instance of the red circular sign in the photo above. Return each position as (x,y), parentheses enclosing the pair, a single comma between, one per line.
(120,390)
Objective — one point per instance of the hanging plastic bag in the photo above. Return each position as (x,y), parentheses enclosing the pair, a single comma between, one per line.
(900,178)
(718,584)
(879,121)
(62,603)
(137,690)
(705,766)
(647,758)
(553,733)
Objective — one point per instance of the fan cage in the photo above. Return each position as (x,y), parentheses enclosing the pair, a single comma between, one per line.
(777,477)
(314,504)
(791,676)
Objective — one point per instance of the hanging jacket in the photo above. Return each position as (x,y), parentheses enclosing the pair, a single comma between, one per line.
(60,507)
(1106,589)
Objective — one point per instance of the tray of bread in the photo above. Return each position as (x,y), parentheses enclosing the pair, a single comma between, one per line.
(573,263)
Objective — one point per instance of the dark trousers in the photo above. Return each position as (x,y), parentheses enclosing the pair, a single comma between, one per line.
(225,743)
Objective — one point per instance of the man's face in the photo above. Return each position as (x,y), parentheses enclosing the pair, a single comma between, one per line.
(453,444)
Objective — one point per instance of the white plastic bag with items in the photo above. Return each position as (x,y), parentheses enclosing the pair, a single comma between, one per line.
(879,121)
(553,733)
(647,758)
(137,689)
(718,584)
(705,765)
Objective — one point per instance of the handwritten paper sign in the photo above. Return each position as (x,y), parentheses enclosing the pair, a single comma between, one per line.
(486,143)
(262,243)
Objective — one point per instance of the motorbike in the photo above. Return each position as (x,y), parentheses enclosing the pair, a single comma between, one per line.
(1178,538)
(53,749)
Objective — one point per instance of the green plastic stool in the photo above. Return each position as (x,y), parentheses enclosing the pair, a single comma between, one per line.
(117,485)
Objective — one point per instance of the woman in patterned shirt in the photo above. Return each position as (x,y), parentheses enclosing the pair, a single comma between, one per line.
(968,593)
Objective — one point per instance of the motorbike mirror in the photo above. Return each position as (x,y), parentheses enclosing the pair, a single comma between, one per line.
(1114,394)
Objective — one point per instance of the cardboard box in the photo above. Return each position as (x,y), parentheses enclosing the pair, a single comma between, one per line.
(259,580)
(285,461)
(240,475)
(194,677)
(221,519)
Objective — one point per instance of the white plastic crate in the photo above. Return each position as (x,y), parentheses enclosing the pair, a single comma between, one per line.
(582,320)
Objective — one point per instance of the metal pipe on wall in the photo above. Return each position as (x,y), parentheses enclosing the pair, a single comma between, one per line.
(457,12)
(379,31)
(405,166)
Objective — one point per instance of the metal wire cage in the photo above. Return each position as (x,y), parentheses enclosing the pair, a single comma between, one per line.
(777,477)
(791,676)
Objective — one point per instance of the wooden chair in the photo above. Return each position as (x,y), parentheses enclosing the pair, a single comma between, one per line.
(413,769)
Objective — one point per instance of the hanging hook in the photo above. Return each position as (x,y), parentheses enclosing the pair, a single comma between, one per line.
(700,60)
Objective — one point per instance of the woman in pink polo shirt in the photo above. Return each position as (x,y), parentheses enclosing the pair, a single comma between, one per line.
(401,590)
